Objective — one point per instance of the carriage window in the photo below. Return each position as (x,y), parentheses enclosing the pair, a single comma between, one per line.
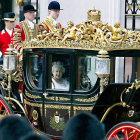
(35,69)
(86,77)
(59,71)
(125,69)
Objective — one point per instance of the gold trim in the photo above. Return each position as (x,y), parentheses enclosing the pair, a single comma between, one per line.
(82,108)
(89,35)
(58,107)
(85,45)
(32,104)
(134,84)
(50,98)
(26,109)
(18,30)
(35,115)
(57,98)
(10,19)
(41,111)
(17,102)
(49,23)
(17,75)
(29,33)
(63,99)
(19,2)
(108,110)
(31,96)
(87,100)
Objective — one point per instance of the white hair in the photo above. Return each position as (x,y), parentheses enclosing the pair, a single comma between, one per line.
(58,65)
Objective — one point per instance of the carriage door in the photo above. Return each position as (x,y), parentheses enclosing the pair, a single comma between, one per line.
(57,98)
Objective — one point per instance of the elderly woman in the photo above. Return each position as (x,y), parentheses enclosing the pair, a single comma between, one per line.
(57,81)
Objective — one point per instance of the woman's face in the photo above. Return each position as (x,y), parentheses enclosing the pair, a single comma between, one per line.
(57,73)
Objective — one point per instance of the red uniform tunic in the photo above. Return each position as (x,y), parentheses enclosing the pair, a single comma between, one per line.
(5,40)
(23,32)
(48,25)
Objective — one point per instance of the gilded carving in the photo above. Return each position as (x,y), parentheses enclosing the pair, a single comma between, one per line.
(57,98)
(92,34)
(134,84)
(35,115)
(82,108)
(17,75)
(19,2)
(71,30)
(31,96)
(32,104)
(50,98)
(58,107)
(93,14)
(87,100)
(63,99)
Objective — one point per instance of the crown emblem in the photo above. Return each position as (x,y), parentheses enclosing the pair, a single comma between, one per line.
(93,14)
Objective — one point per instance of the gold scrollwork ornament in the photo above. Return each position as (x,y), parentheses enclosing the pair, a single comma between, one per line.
(35,115)
(19,2)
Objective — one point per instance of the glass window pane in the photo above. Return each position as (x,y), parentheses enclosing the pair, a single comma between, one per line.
(35,69)
(60,71)
(12,63)
(124,69)
(5,61)
(86,77)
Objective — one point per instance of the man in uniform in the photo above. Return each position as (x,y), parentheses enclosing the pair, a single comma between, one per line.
(25,30)
(51,23)
(7,33)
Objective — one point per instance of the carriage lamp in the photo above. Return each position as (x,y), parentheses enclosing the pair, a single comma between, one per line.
(102,67)
(9,65)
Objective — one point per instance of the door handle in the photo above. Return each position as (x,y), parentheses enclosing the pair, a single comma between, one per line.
(45,94)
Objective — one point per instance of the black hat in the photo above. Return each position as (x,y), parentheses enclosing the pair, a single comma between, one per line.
(85,126)
(54,5)
(14,127)
(28,7)
(10,16)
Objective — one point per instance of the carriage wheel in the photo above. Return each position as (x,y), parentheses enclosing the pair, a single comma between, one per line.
(3,108)
(125,131)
